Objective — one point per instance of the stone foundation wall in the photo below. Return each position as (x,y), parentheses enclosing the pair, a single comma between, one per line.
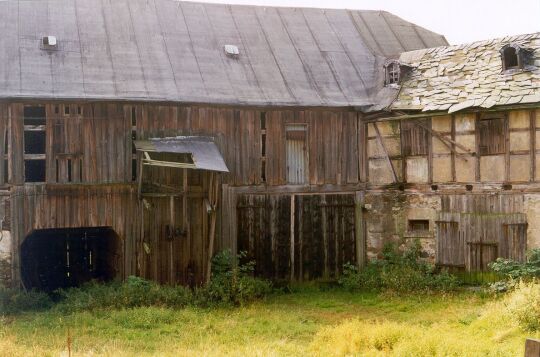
(387,217)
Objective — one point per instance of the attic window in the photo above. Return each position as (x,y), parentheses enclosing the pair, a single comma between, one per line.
(510,58)
(515,57)
(392,72)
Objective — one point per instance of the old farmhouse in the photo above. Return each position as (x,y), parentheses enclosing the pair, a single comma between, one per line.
(140,137)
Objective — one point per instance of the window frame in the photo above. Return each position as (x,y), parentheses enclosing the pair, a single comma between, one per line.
(297,132)
(486,149)
(392,73)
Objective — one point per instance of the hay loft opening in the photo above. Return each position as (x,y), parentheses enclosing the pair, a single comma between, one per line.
(68,257)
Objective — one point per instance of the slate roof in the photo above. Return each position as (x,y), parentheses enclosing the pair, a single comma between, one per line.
(454,78)
(165,50)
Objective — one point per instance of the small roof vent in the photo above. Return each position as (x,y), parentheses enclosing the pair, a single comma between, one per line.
(49,42)
(231,50)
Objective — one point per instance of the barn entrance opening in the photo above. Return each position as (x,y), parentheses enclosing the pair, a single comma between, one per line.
(68,257)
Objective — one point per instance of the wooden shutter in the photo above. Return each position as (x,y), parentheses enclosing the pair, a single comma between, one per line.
(450,244)
(492,138)
(415,138)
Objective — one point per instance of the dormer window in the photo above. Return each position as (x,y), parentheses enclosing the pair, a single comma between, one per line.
(514,57)
(392,73)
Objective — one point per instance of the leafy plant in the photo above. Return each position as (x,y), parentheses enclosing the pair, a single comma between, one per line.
(134,292)
(397,271)
(518,270)
(232,282)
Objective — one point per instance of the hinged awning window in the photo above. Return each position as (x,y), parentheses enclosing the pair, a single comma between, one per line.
(192,152)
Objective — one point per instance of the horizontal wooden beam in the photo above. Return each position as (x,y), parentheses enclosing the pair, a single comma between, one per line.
(177,165)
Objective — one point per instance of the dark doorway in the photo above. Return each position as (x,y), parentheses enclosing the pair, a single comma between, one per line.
(68,257)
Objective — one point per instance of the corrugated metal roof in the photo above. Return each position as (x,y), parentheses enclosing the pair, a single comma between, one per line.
(166,50)
(203,150)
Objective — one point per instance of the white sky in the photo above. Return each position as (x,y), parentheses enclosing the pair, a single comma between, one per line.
(459,20)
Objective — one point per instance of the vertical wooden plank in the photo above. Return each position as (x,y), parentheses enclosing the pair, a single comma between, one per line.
(360,237)
(16,144)
(292,240)
(477,146)
(453,151)
(362,149)
(3,127)
(507,147)
(532,145)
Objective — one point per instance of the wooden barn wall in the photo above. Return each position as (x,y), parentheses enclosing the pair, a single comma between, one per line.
(152,255)
(474,230)
(454,153)
(96,139)
(309,239)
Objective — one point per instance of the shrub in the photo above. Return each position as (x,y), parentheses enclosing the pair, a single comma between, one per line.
(518,270)
(523,304)
(397,271)
(232,282)
(14,301)
(134,292)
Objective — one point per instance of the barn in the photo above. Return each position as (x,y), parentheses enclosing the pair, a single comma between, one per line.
(140,137)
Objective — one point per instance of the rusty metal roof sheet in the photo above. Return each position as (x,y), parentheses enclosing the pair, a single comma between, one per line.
(166,50)
(203,150)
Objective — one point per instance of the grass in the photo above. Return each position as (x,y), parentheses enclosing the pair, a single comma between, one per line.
(306,322)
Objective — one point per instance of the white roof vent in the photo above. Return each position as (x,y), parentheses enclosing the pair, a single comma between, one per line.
(231,50)
(49,42)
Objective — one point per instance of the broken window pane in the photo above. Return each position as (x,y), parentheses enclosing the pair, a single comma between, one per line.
(34,115)
(34,170)
(34,142)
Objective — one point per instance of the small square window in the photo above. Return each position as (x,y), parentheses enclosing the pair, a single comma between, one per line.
(418,225)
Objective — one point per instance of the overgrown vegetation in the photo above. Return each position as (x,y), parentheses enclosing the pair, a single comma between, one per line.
(230,284)
(13,301)
(518,270)
(306,322)
(399,272)
(523,304)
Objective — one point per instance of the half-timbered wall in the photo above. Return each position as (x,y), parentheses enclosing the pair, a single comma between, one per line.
(490,147)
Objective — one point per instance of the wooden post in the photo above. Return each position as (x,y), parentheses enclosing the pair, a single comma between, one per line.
(532,348)
(213,196)
(532,147)
(360,238)
(171,239)
(292,236)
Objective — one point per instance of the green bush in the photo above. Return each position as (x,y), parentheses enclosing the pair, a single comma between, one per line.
(518,270)
(397,271)
(14,301)
(232,282)
(134,292)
